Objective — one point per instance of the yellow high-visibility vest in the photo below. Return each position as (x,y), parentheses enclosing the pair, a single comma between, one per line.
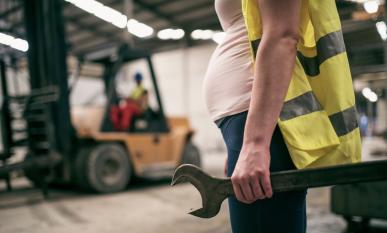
(137,92)
(318,119)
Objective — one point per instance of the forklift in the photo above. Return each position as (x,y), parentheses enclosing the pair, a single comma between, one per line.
(80,146)
(152,147)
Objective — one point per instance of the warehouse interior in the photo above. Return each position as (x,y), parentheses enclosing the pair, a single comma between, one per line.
(66,162)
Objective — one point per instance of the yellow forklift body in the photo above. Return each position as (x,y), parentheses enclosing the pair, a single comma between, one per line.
(148,152)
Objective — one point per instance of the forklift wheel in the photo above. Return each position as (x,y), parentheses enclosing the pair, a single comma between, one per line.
(103,168)
(191,155)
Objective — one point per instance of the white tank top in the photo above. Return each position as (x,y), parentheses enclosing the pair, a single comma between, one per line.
(229,77)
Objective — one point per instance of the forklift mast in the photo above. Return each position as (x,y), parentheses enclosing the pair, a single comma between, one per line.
(48,111)
(5,117)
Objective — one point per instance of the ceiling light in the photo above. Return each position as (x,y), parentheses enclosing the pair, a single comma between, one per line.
(16,43)
(171,34)
(101,11)
(6,39)
(200,34)
(178,34)
(218,37)
(382,29)
(371,6)
(369,94)
(110,15)
(19,44)
(139,29)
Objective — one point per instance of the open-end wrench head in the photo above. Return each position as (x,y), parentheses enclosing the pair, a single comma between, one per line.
(184,173)
(205,184)
(204,213)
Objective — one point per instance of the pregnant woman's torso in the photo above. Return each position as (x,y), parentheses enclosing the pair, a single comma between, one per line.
(229,77)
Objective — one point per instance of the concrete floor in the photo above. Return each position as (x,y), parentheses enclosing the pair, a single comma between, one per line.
(145,207)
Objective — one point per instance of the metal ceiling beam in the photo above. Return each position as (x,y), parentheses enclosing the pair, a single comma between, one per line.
(12,32)
(350,26)
(193,8)
(10,11)
(358,70)
(88,49)
(159,4)
(184,11)
(94,31)
(156,11)
(207,17)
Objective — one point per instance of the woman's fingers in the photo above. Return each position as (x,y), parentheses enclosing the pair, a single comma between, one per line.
(257,190)
(251,176)
(246,191)
(266,185)
(238,192)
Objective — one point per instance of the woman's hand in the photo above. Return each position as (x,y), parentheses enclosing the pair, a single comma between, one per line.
(251,177)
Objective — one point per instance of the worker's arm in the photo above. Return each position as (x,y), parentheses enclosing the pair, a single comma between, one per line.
(275,60)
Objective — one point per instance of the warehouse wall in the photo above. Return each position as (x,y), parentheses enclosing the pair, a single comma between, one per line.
(180,75)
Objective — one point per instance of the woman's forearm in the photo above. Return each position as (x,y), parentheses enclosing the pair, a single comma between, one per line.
(273,71)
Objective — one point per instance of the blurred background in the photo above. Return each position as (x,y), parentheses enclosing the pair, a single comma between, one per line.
(101,100)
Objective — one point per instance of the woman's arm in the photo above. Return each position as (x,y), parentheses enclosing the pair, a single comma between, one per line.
(273,70)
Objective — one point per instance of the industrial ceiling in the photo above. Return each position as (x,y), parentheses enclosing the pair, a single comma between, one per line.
(87,33)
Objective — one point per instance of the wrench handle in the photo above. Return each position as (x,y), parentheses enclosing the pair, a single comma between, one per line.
(319,177)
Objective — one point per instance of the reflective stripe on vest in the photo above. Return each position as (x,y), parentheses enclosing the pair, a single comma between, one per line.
(328,46)
(318,119)
(343,122)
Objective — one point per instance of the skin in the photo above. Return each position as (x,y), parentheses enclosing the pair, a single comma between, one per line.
(273,70)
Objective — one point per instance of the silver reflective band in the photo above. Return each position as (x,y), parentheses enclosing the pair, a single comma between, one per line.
(327,46)
(345,121)
(300,105)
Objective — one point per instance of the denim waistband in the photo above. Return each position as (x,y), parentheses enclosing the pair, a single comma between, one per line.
(219,121)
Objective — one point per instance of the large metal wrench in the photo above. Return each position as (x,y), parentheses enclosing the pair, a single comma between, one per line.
(214,190)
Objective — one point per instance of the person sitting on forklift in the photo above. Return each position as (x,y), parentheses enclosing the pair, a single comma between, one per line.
(137,102)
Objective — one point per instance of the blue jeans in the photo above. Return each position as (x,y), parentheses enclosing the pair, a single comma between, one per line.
(284,212)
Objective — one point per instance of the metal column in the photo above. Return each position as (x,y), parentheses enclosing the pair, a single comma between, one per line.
(47,64)
(5,122)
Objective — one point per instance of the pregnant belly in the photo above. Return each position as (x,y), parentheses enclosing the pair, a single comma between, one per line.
(228,80)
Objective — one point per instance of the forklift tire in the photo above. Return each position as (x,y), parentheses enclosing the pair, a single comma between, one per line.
(79,168)
(191,155)
(104,168)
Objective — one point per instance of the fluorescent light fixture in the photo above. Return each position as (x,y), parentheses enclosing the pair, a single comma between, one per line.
(114,17)
(101,11)
(6,39)
(16,43)
(171,34)
(369,94)
(208,34)
(371,6)
(139,29)
(200,34)
(382,29)
(218,37)
(19,44)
